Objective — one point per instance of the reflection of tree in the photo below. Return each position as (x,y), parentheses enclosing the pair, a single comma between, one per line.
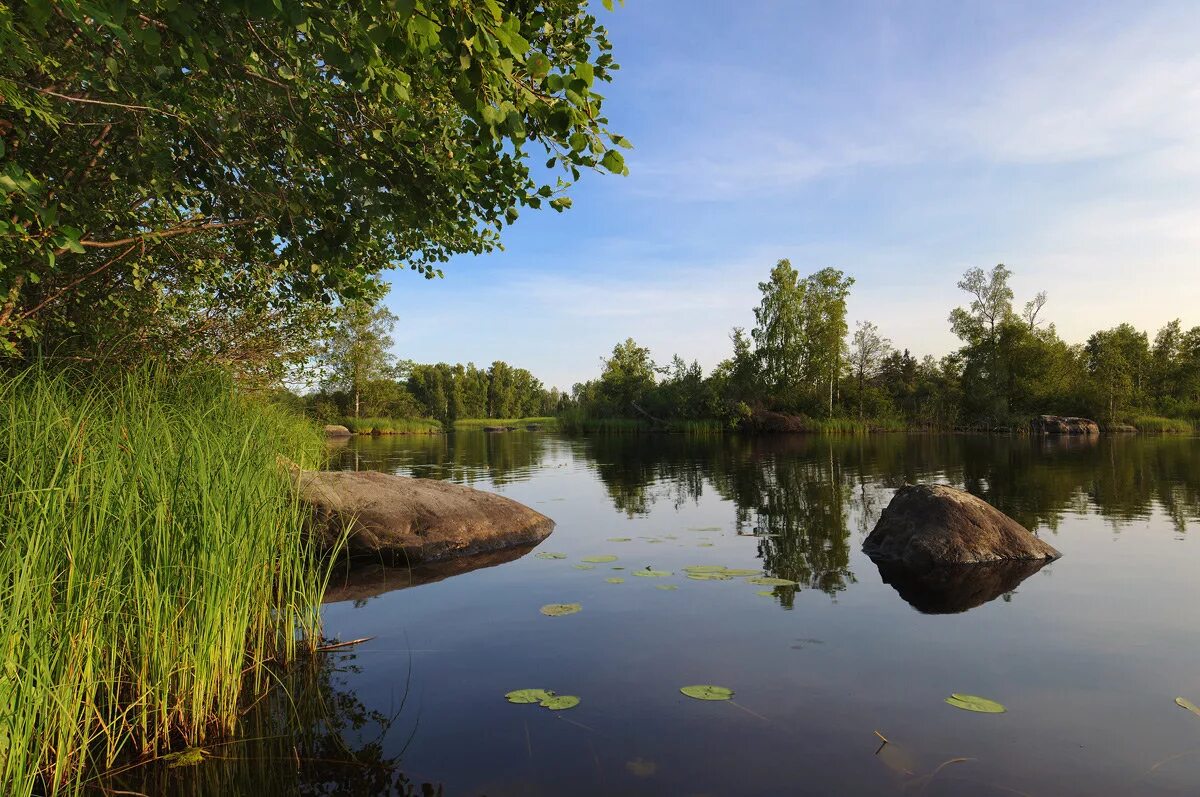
(463,457)
(309,736)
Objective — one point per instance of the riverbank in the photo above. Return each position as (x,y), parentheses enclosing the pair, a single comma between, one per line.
(472,424)
(153,570)
(391,425)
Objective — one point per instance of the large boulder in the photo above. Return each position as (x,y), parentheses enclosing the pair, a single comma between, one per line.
(1058,424)
(336,430)
(399,519)
(932,524)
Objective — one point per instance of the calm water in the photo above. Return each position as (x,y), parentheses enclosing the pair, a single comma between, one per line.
(1088,653)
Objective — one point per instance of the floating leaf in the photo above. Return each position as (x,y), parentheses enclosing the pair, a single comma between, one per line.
(560,702)
(560,609)
(615,580)
(600,559)
(704,545)
(620,539)
(618,568)
(653,540)
(709,576)
(704,569)
(768,593)
(186,758)
(584,567)
(707,692)
(1183,702)
(549,555)
(733,571)
(653,573)
(528,695)
(665,586)
(975,703)
(704,528)
(769,581)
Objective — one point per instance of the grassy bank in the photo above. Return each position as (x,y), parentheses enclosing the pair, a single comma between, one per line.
(152,567)
(1153,424)
(469,424)
(578,425)
(391,425)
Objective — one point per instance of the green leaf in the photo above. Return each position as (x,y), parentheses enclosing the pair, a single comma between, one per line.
(560,702)
(653,573)
(549,555)
(709,576)
(538,65)
(584,567)
(620,539)
(738,572)
(186,758)
(584,71)
(613,161)
(615,580)
(528,695)
(707,692)
(608,4)
(975,703)
(768,581)
(560,609)
(1183,702)
(600,559)
(667,587)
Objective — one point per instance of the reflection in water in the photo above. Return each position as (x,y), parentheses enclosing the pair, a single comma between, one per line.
(464,457)
(952,589)
(360,582)
(310,735)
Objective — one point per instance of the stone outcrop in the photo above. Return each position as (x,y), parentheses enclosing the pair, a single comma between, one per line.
(932,524)
(403,520)
(336,430)
(950,589)
(1058,424)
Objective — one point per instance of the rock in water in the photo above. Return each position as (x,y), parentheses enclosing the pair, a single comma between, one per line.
(1056,424)
(336,430)
(930,524)
(414,520)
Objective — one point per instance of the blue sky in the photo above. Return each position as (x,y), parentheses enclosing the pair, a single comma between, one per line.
(902,142)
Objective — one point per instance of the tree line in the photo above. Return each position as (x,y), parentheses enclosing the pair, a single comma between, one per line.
(801,359)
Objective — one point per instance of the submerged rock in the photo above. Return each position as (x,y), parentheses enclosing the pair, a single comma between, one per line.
(414,520)
(1058,424)
(931,524)
(950,589)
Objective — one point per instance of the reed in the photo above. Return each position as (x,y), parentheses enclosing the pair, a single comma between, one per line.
(469,424)
(392,425)
(153,567)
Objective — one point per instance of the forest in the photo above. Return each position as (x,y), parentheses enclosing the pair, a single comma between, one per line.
(800,360)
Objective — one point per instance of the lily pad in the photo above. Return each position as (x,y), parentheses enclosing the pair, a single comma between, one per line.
(584,567)
(709,576)
(620,539)
(559,702)
(975,703)
(704,528)
(615,580)
(528,695)
(653,573)
(665,586)
(766,593)
(704,569)
(704,545)
(600,559)
(733,571)
(560,609)
(186,758)
(549,555)
(1183,702)
(707,692)
(768,581)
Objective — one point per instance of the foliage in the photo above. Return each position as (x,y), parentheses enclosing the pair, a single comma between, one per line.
(356,350)
(160,162)
(154,566)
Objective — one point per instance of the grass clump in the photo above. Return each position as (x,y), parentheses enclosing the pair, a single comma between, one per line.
(391,425)
(153,566)
(1153,424)
(469,424)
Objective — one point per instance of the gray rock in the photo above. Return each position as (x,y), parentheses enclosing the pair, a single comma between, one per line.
(1058,424)
(931,524)
(336,430)
(414,520)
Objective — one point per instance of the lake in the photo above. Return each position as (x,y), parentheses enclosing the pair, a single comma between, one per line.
(1088,653)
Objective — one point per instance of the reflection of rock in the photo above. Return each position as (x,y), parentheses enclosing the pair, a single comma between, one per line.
(1057,424)
(361,582)
(949,589)
(928,524)
(415,520)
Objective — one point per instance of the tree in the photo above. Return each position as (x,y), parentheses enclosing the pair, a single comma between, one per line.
(779,330)
(825,326)
(991,303)
(291,149)
(357,349)
(627,377)
(867,353)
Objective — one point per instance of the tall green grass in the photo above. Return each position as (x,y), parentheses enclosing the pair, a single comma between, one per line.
(152,567)
(1153,424)
(468,424)
(392,425)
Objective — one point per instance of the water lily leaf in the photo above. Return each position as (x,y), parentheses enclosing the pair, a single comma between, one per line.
(704,528)
(600,559)
(615,580)
(186,758)
(549,555)
(1183,702)
(707,692)
(704,569)
(768,581)
(584,567)
(768,593)
(665,586)
(560,609)
(653,573)
(560,702)
(733,571)
(620,539)
(618,568)
(975,703)
(709,576)
(653,540)
(704,545)
(528,695)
